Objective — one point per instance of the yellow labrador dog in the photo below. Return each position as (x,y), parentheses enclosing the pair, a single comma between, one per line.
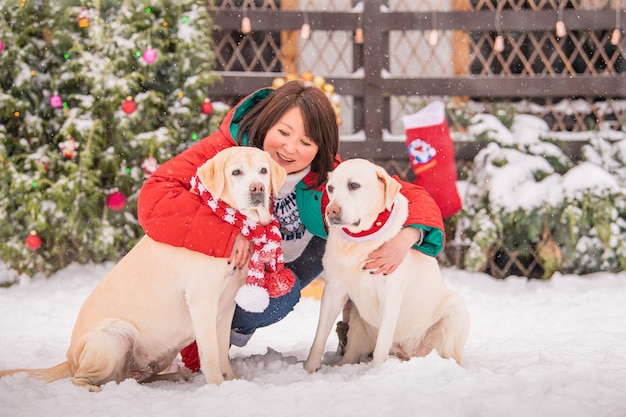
(407,313)
(160,298)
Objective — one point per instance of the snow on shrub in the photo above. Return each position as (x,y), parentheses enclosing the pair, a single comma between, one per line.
(523,191)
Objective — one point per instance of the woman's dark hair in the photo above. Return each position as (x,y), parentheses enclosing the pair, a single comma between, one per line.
(320,122)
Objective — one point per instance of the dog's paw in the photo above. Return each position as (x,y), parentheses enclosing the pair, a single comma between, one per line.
(378,360)
(312,366)
(229,376)
(86,383)
(213,378)
(184,375)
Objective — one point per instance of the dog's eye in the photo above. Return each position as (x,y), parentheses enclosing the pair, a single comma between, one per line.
(263,170)
(353,185)
(236,172)
(330,189)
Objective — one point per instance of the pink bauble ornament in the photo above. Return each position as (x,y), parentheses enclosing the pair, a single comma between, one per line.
(149,55)
(1,46)
(33,242)
(116,201)
(56,101)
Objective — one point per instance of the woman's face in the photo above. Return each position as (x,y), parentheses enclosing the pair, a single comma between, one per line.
(287,143)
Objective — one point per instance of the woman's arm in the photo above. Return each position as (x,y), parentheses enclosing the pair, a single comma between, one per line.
(424,214)
(423,230)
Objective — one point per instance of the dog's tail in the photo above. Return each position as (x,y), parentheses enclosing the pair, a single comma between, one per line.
(59,371)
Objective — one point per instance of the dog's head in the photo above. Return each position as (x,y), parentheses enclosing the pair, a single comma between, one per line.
(244,178)
(358,191)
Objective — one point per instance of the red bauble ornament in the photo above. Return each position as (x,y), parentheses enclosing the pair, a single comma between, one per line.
(129,106)
(116,201)
(206,107)
(33,241)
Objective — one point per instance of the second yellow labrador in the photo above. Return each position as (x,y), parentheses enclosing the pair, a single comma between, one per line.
(407,313)
(160,298)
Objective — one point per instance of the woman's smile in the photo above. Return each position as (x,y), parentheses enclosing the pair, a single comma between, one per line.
(287,143)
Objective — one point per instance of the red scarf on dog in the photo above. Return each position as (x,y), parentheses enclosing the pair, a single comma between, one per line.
(267,276)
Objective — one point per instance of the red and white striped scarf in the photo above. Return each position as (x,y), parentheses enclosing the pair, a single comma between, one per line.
(267,276)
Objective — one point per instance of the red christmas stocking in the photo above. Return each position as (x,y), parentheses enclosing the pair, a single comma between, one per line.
(431,153)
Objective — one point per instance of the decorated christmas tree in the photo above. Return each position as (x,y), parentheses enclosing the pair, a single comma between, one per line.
(93,96)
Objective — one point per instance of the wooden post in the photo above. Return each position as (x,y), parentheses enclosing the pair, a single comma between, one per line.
(460,40)
(289,40)
(460,46)
(374,52)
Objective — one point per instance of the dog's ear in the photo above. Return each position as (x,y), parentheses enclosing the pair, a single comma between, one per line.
(278,175)
(211,173)
(392,187)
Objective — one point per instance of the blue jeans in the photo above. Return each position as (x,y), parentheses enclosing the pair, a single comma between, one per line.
(305,268)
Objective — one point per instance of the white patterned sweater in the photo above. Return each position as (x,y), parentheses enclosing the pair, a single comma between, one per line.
(294,235)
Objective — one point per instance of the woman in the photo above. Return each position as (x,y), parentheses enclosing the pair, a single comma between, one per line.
(297,126)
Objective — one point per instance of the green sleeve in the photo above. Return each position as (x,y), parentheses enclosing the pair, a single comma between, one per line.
(309,203)
(432,242)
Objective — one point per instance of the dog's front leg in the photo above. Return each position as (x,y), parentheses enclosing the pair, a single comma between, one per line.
(333,300)
(390,311)
(208,350)
(223,330)
(361,342)
(204,314)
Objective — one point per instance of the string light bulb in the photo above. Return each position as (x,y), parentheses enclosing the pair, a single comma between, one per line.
(560,28)
(305,31)
(616,36)
(498,43)
(433,36)
(246,25)
(358,36)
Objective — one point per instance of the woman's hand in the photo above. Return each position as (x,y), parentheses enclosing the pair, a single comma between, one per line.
(241,253)
(386,259)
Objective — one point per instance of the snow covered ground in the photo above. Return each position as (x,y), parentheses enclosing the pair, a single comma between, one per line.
(553,349)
